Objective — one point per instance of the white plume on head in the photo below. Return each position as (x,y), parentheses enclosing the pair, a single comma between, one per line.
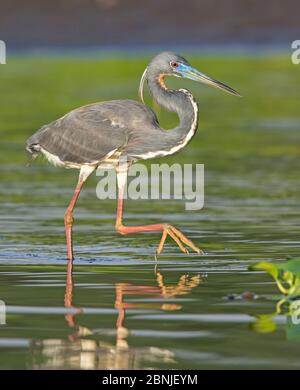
(141,86)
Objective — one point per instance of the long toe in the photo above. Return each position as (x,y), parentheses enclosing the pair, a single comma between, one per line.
(185,240)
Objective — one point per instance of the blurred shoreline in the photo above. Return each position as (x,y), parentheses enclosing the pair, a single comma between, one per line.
(126,24)
(139,50)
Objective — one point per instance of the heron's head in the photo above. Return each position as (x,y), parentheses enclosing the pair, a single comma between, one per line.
(171,64)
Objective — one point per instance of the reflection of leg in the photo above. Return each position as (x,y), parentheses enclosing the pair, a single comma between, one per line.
(121,331)
(119,304)
(68,303)
(184,285)
(120,319)
(69,297)
(165,228)
(69,289)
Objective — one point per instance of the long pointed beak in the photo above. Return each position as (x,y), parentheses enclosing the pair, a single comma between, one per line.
(194,74)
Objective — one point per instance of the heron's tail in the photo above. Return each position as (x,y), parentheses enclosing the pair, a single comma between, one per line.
(34,150)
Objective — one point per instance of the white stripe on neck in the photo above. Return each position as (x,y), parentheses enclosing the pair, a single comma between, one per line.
(184,141)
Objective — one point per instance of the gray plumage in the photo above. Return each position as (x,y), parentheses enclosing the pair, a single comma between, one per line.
(87,135)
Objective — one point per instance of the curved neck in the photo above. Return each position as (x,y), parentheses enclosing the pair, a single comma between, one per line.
(180,101)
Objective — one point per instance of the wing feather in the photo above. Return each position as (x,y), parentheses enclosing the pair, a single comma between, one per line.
(89,133)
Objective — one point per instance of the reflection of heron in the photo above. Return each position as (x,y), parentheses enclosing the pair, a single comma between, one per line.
(121,132)
(83,350)
(184,285)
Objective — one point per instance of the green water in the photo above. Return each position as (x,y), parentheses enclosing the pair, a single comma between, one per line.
(123,308)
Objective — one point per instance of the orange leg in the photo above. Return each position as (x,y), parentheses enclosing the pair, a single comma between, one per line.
(68,218)
(165,228)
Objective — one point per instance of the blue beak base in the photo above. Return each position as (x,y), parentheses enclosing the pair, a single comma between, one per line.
(188,72)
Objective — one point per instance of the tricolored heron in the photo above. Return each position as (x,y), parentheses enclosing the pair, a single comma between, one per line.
(120,132)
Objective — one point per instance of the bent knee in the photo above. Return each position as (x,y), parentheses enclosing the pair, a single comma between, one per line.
(120,228)
(68,218)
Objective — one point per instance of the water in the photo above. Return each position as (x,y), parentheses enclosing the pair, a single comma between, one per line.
(122,308)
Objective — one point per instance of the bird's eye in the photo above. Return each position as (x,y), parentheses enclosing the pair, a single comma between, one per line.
(174,64)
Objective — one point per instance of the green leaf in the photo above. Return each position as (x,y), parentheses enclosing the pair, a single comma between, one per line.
(270,268)
(292,266)
(286,274)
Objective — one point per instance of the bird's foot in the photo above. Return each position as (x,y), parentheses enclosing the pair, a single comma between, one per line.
(180,239)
